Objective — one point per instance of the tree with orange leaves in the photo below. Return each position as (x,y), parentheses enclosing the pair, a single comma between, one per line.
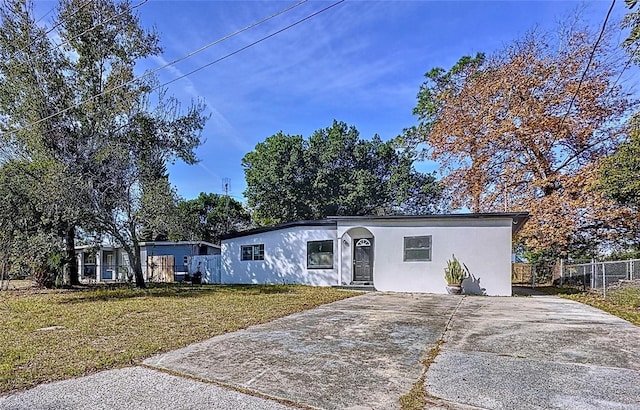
(521,130)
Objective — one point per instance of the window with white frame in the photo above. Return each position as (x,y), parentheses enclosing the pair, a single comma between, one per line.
(252,252)
(417,248)
(320,254)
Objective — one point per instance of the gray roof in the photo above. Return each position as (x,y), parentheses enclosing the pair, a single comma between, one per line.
(178,243)
(519,218)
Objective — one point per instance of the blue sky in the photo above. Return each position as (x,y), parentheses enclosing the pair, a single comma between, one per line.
(360,62)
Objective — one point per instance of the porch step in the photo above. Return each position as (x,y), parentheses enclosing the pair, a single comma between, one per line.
(362,288)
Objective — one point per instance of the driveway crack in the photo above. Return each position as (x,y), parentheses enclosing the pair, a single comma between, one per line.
(418,398)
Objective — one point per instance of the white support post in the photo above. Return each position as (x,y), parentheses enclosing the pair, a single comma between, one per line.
(80,258)
(99,265)
(604,281)
(340,245)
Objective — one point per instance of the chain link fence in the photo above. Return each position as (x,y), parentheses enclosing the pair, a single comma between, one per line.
(596,274)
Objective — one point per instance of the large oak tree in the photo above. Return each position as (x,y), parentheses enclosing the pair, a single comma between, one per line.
(520,130)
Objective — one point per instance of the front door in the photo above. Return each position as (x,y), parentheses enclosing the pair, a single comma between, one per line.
(363,260)
(109,267)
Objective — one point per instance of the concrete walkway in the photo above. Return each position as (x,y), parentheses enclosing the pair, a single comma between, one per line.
(365,352)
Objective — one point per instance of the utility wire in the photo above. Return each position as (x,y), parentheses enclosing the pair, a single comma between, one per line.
(586,69)
(626,66)
(213,43)
(89,99)
(58,24)
(275,33)
(573,98)
(45,15)
(67,41)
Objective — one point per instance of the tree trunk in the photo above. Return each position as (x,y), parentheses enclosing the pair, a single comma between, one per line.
(70,250)
(137,265)
(2,270)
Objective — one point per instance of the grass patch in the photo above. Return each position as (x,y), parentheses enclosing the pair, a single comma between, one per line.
(417,397)
(54,335)
(623,302)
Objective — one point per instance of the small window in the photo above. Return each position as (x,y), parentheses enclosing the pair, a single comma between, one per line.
(185,260)
(252,252)
(417,248)
(320,254)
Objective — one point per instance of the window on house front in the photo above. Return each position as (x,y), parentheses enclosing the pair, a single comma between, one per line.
(252,252)
(320,254)
(417,248)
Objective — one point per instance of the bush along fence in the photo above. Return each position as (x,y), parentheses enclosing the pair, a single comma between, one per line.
(596,274)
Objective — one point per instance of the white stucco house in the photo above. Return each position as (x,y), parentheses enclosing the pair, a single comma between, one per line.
(390,253)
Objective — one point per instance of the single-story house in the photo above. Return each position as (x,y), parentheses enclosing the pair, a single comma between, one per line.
(164,261)
(104,263)
(390,253)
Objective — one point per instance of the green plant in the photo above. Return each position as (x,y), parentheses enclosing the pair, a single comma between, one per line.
(455,272)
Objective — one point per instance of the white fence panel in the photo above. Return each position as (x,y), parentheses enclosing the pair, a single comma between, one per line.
(209,266)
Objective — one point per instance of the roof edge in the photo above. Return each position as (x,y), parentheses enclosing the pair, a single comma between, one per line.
(435,216)
(519,218)
(284,225)
(169,243)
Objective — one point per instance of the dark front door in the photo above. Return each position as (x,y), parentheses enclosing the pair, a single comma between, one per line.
(363,260)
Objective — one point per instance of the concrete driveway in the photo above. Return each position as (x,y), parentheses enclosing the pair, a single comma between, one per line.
(365,352)
(537,353)
(362,351)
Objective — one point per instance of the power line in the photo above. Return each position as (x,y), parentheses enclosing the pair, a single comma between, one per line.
(626,66)
(58,24)
(584,73)
(89,99)
(251,44)
(220,40)
(67,41)
(62,21)
(573,98)
(45,15)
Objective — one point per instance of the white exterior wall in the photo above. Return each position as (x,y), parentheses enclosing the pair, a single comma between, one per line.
(285,258)
(484,245)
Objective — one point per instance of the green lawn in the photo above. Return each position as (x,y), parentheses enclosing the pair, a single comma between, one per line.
(624,302)
(53,335)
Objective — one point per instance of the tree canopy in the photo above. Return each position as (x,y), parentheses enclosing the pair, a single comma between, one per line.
(209,216)
(620,172)
(521,129)
(334,172)
(73,108)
